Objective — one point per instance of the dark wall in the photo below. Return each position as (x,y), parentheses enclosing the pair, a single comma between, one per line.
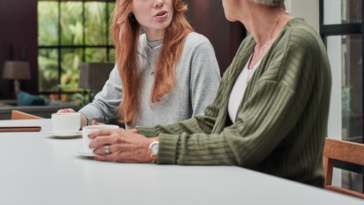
(18,26)
(207,17)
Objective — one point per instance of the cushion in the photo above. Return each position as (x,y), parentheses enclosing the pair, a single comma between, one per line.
(26,99)
(51,102)
(4,105)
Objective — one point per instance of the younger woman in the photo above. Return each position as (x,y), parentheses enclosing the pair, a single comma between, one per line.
(167,74)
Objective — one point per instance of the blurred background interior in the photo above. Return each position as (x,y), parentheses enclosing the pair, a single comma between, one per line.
(55,37)
(50,40)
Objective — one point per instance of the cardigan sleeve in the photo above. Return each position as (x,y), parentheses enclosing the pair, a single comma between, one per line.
(260,127)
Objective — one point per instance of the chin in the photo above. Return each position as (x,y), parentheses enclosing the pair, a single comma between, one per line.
(162,25)
(230,19)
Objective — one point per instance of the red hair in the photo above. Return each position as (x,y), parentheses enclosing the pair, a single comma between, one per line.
(126,31)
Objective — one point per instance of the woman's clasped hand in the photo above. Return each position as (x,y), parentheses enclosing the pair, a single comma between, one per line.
(124,146)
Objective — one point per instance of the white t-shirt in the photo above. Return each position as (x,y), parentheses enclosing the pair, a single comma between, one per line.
(238,91)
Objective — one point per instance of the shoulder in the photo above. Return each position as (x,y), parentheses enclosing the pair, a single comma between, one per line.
(300,43)
(115,72)
(302,36)
(195,40)
(199,51)
(297,55)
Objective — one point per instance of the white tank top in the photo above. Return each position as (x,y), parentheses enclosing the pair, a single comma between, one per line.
(238,91)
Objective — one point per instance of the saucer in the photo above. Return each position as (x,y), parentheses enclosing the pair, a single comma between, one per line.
(85,154)
(79,133)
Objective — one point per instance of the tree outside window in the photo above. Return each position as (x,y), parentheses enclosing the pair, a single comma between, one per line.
(71,32)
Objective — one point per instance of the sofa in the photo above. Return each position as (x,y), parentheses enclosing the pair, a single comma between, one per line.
(44,111)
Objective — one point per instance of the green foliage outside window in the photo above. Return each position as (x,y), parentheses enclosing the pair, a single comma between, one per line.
(48,23)
(95,25)
(48,69)
(71,23)
(83,25)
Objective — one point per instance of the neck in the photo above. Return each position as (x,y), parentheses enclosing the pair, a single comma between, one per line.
(154,34)
(260,21)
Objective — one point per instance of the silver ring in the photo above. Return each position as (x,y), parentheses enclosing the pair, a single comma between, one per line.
(107,149)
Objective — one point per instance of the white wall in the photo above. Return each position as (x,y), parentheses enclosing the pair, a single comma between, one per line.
(332,15)
(309,10)
(306,9)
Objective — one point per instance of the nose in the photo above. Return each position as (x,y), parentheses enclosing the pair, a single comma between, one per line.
(158,4)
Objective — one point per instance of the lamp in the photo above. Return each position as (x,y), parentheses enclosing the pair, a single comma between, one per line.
(93,76)
(17,70)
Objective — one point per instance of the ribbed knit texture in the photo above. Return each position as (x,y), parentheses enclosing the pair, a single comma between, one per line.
(281,123)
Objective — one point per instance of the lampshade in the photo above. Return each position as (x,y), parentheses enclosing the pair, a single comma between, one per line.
(16,70)
(93,76)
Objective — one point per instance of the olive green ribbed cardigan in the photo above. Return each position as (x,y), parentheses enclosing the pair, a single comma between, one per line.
(281,124)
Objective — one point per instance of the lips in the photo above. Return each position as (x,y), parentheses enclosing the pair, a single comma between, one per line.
(161,14)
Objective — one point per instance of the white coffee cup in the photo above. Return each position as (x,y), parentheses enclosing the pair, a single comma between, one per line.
(66,123)
(88,130)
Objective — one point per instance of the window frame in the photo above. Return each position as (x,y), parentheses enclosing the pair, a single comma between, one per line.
(59,47)
(327,30)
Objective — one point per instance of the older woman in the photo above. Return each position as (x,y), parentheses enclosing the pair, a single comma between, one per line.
(270,113)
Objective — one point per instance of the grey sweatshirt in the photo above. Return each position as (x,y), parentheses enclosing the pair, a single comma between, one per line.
(197,81)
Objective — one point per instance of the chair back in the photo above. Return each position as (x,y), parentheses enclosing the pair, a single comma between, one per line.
(343,151)
(17,115)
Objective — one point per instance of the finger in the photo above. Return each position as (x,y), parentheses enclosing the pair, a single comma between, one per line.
(102,141)
(98,133)
(119,157)
(62,111)
(133,131)
(112,149)
(94,122)
(105,158)
(71,110)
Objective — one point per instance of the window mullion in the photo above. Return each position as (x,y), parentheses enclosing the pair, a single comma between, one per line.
(107,31)
(84,31)
(59,49)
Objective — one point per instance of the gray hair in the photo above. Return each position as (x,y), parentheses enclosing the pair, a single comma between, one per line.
(270,2)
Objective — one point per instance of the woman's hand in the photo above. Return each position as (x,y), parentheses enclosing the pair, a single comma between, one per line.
(94,122)
(124,146)
(83,117)
(69,110)
(135,131)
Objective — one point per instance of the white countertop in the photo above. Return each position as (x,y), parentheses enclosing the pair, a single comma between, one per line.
(39,169)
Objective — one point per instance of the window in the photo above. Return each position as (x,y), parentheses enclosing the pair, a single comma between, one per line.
(341,24)
(71,32)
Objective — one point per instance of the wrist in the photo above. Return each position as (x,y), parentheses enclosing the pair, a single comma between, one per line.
(134,131)
(84,120)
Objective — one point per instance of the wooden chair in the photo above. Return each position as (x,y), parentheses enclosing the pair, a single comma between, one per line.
(343,151)
(17,115)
